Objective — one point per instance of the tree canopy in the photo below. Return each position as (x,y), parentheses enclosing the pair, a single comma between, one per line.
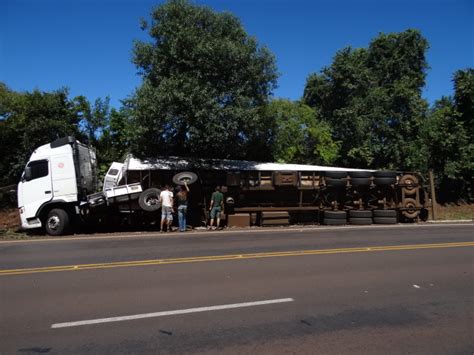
(298,136)
(447,137)
(204,83)
(31,119)
(28,120)
(371,97)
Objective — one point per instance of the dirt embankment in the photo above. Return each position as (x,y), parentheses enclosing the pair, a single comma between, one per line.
(9,219)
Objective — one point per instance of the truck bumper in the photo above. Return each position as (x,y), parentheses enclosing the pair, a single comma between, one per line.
(29,223)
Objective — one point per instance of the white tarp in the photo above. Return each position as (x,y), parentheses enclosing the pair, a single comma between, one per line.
(177,163)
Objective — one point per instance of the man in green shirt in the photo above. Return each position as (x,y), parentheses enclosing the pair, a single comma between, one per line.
(217,205)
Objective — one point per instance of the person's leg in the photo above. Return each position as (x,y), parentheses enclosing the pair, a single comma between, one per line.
(213,215)
(163,219)
(184,212)
(182,218)
(169,218)
(217,214)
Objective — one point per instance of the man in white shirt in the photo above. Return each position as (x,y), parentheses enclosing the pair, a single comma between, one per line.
(166,198)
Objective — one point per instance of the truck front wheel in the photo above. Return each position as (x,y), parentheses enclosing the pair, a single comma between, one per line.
(57,222)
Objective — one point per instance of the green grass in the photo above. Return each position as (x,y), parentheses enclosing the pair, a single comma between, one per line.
(12,234)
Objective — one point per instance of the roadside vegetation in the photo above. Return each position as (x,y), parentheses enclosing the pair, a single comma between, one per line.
(207,91)
(10,222)
(456,211)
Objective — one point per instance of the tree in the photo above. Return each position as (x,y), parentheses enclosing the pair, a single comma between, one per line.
(94,118)
(28,120)
(31,119)
(104,128)
(448,137)
(114,142)
(464,98)
(205,81)
(372,100)
(298,137)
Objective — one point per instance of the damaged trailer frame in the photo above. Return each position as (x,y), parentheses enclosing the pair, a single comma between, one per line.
(272,193)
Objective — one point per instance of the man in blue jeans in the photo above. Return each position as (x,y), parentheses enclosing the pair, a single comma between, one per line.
(182,203)
(217,206)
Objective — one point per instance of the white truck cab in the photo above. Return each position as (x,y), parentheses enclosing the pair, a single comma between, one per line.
(57,177)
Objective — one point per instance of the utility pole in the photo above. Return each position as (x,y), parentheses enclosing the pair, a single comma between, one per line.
(434,212)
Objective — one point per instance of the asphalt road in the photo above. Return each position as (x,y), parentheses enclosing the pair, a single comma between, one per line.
(405,289)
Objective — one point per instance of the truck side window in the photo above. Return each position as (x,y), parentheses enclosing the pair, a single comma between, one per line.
(39,168)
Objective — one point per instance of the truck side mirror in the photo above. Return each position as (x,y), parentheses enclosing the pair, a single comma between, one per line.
(28,174)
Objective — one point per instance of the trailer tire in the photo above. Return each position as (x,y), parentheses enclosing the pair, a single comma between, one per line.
(335,215)
(335,174)
(384,181)
(411,183)
(185,176)
(385,220)
(336,183)
(412,211)
(149,200)
(385,213)
(360,221)
(360,174)
(57,222)
(334,221)
(360,214)
(360,181)
(385,174)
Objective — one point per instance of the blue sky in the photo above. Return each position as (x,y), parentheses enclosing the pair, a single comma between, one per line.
(86,45)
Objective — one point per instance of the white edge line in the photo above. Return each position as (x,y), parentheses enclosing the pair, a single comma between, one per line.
(170,313)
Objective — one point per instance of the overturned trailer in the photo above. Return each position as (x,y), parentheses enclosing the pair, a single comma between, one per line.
(56,191)
(270,193)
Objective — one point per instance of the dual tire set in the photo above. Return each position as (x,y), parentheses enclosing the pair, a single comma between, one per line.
(360,178)
(360,217)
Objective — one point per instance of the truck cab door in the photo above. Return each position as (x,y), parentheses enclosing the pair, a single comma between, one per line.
(36,187)
(113,176)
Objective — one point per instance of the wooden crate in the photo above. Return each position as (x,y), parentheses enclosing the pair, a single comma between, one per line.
(239,220)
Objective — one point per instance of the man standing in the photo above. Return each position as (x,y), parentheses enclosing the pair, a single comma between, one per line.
(217,205)
(166,198)
(182,202)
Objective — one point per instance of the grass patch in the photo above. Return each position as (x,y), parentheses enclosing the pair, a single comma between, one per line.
(453,211)
(12,234)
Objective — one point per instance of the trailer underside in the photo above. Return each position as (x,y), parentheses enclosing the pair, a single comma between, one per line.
(282,194)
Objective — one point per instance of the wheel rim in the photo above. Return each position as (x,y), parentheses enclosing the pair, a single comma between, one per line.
(411,209)
(151,201)
(185,177)
(53,222)
(410,184)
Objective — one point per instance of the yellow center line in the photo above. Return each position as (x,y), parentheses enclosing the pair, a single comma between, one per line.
(195,259)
